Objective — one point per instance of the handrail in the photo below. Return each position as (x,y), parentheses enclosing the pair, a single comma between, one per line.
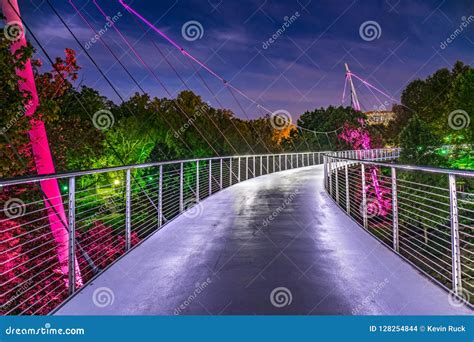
(60,175)
(112,213)
(430,224)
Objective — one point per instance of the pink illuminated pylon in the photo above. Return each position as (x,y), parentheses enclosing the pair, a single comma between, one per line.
(40,146)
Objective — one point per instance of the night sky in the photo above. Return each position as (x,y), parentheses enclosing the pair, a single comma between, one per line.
(301,70)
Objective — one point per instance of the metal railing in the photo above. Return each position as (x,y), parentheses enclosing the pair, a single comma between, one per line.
(109,212)
(424,214)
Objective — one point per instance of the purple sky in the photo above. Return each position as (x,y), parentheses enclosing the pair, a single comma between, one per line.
(301,70)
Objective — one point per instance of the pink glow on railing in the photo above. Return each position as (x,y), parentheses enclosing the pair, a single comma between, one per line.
(40,147)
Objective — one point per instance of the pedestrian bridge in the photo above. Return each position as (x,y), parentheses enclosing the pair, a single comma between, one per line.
(296,237)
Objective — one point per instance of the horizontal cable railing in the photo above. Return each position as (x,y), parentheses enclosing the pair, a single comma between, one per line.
(424,214)
(103,214)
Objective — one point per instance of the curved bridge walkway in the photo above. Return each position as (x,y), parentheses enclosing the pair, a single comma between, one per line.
(235,252)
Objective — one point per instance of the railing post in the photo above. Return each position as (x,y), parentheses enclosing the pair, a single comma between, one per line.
(230,171)
(395,210)
(210,177)
(128,207)
(254,172)
(181,183)
(330,174)
(337,181)
(364,196)
(268,164)
(246,168)
(297,159)
(72,236)
(220,174)
(325,172)
(286,161)
(279,162)
(160,197)
(348,197)
(455,245)
(261,165)
(197,181)
(238,171)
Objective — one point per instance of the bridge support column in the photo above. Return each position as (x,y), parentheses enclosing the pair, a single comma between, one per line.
(455,245)
(395,210)
(364,196)
(128,208)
